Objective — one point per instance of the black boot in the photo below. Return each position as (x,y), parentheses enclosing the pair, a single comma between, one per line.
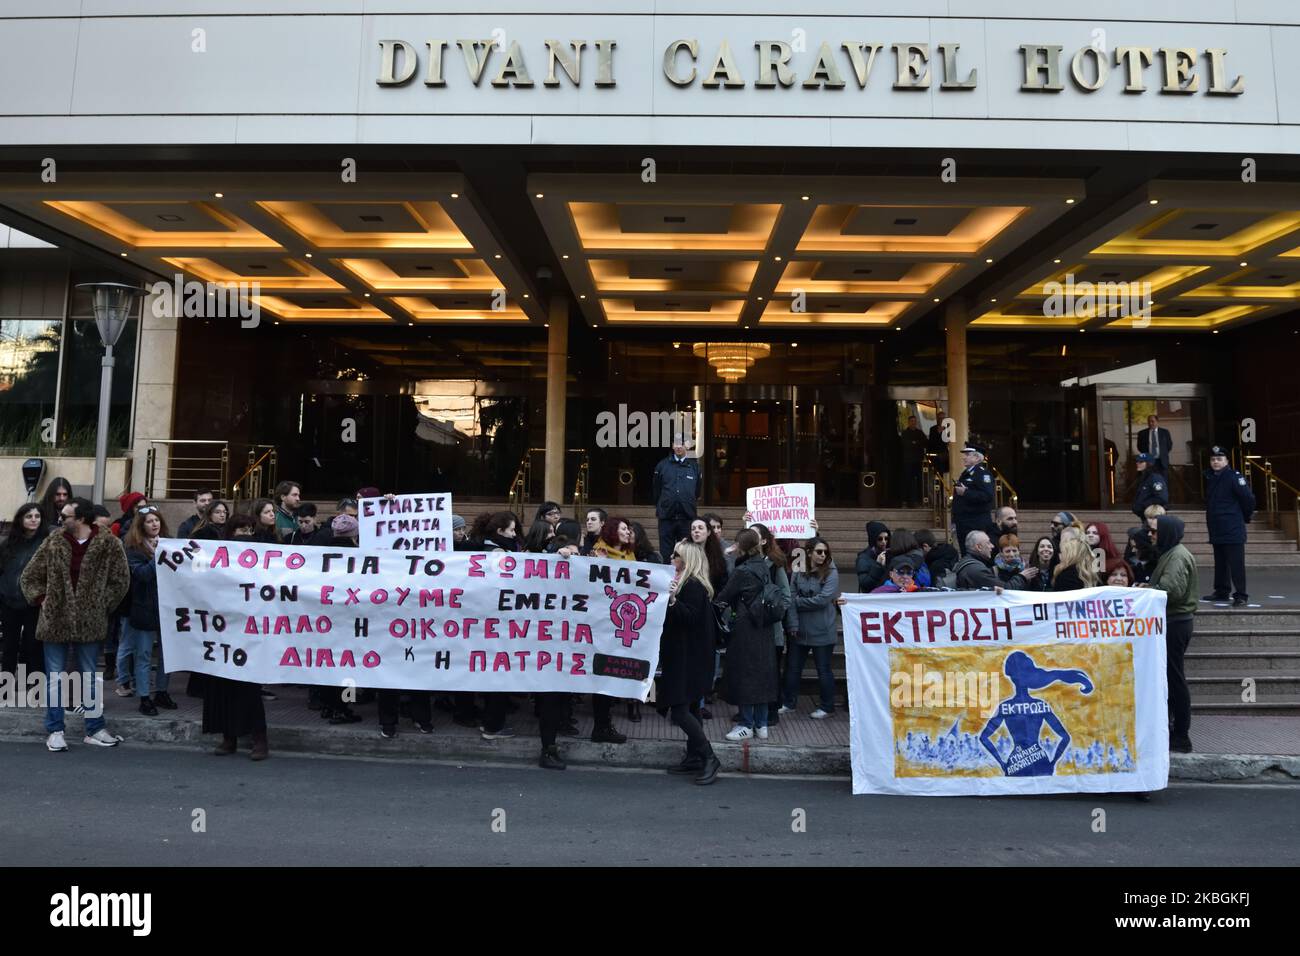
(690,764)
(634,712)
(710,772)
(550,759)
(607,735)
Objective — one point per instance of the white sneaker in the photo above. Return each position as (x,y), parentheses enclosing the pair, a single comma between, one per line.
(55,742)
(102,738)
(786,710)
(819,714)
(740,732)
(762,733)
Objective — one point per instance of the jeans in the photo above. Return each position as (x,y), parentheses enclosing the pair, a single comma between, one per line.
(138,645)
(123,652)
(161,680)
(84,657)
(797,657)
(753,716)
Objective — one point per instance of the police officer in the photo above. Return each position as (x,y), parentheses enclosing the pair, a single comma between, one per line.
(676,489)
(1153,487)
(972,495)
(1229,503)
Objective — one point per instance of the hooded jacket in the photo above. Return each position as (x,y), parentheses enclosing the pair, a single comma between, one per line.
(973,573)
(1175,572)
(871,573)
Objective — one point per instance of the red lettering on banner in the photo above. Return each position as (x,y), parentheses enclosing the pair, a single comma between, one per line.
(501,660)
(891,632)
(519,629)
(536,568)
(324,657)
(543,658)
(266,558)
(250,626)
(1005,622)
(451,628)
(378,596)
(915,618)
(220,558)
(523,658)
(354,596)
(582,634)
(370,660)
(490,627)
(477,661)
(543,630)
(870,621)
(507,566)
(427,629)
(325,593)
(952,625)
(290,658)
(476,566)
(933,621)
(579,662)
(562,571)
(346,659)
(248,559)
(295,561)
(402,595)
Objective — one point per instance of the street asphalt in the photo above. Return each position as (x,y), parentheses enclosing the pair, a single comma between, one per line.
(142,806)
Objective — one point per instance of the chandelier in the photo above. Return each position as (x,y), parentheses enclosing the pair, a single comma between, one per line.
(732,360)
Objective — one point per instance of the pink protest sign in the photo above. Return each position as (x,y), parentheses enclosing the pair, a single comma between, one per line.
(786,510)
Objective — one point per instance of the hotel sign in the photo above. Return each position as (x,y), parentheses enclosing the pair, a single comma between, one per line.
(834,65)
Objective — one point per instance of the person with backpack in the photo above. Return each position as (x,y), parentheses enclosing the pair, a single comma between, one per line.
(757,603)
(815,591)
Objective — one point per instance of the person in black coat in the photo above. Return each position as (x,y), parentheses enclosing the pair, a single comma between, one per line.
(972,494)
(686,658)
(1152,489)
(676,490)
(1229,504)
(750,668)
(870,564)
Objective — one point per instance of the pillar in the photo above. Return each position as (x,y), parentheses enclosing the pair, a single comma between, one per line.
(955,319)
(557,390)
(155,393)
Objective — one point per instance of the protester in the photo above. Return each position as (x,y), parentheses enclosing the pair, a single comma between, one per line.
(130,501)
(595,520)
(1140,554)
(777,563)
(686,658)
(1151,513)
(713,555)
(904,544)
(1008,566)
(202,499)
(567,540)
(641,544)
(750,659)
(538,536)
(345,532)
(715,528)
(975,570)
(57,494)
(1077,568)
(265,522)
(1175,574)
(234,709)
(287,498)
(1119,574)
(815,591)
(552,708)
(142,626)
(1044,552)
(550,512)
(308,530)
(676,488)
(615,540)
(241,526)
(459,534)
(18,617)
(940,561)
(342,533)
(902,577)
(76,577)
(871,561)
(212,522)
(500,532)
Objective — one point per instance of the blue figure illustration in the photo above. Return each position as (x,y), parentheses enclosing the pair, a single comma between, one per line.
(1024,715)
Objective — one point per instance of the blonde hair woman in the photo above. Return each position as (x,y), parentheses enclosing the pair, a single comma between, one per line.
(686,657)
(1077,568)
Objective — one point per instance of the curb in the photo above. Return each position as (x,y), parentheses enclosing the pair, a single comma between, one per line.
(765,759)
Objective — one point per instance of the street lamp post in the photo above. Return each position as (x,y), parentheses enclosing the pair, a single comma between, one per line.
(113,304)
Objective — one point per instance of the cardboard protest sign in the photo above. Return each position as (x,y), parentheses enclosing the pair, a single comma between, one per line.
(973,692)
(406,522)
(784,509)
(463,621)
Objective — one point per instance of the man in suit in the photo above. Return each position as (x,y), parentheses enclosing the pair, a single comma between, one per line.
(1156,442)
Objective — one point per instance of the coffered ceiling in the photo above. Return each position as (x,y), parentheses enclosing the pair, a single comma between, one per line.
(760,251)
(406,249)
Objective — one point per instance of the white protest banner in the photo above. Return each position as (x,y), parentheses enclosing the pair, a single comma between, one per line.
(786,510)
(973,692)
(463,621)
(406,522)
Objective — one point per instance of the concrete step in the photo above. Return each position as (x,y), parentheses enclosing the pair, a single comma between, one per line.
(1247,663)
(1213,639)
(1275,707)
(1268,686)
(1247,618)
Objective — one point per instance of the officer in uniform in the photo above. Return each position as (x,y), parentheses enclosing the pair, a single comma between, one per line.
(1153,488)
(972,495)
(1229,503)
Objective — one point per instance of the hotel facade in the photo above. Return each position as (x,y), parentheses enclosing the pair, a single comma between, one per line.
(427,246)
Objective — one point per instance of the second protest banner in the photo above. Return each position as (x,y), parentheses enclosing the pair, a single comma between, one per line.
(406,522)
(785,510)
(463,621)
(973,692)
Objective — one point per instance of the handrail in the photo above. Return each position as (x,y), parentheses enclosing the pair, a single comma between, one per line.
(1271,481)
(938,495)
(581,486)
(1000,482)
(254,473)
(198,471)
(521,487)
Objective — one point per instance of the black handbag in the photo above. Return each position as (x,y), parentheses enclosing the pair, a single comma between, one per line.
(723,620)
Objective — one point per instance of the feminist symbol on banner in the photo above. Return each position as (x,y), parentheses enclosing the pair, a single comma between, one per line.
(1023,715)
(627,611)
